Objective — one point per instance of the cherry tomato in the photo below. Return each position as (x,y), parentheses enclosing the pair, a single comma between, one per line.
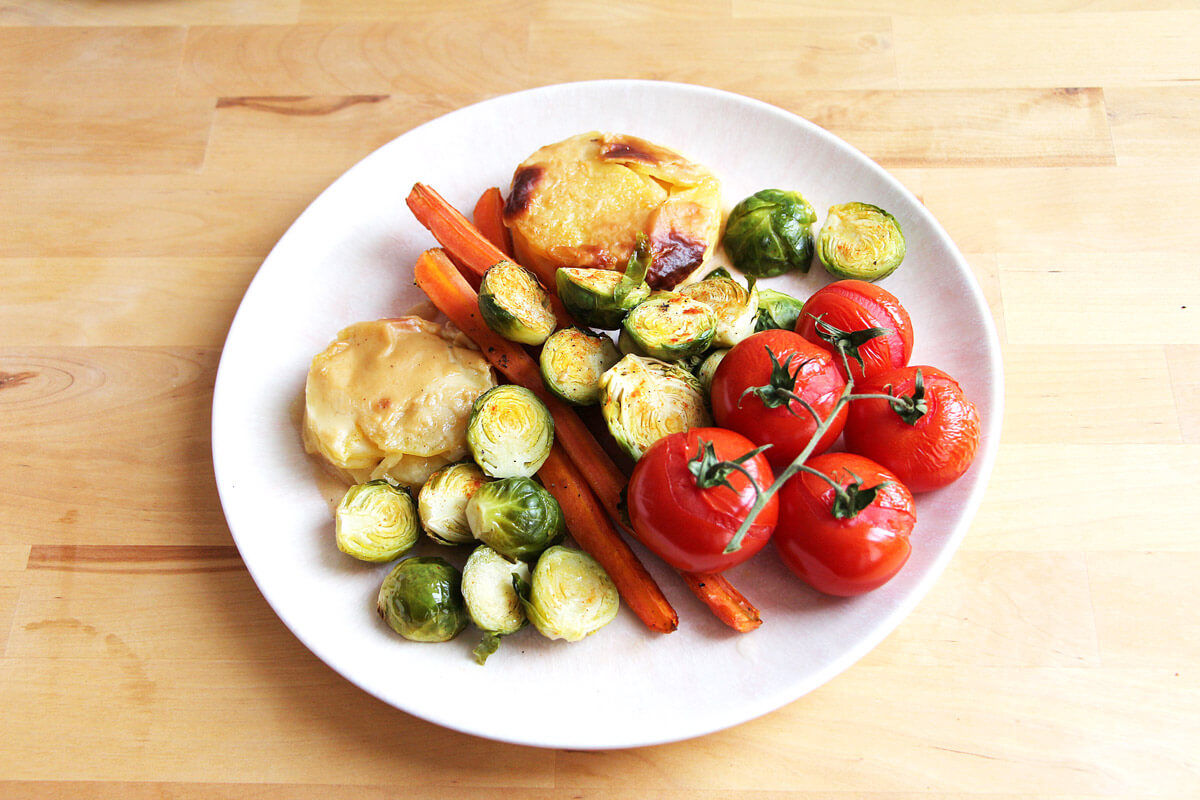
(688,524)
(770,416)
(858,552)
(841,317)
(927,436)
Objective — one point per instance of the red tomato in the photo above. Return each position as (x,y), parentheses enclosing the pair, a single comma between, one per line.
(928,438)
(850,555)
(852,308)
(770,417)
(689,526)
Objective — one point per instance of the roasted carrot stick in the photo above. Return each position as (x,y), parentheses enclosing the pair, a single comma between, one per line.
(730,606)
(453,296)
(466,245)
(448,290)
(489,219)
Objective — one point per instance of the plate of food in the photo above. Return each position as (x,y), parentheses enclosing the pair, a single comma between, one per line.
(736,277)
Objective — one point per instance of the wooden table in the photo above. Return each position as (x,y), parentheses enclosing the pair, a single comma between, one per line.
(152,152)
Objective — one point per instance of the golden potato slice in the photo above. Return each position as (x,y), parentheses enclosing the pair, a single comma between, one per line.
(581,203)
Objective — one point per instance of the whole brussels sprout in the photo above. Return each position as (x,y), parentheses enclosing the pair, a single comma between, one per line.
(572,361)
(510,431)
(514,304)
(860,241)
(492,602)
(770,233)
(442,502)
(516,517)
(376,522)
(421,599)
(569,596)
(777,310)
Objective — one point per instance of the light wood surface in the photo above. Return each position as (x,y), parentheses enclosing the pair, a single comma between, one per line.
(152,152)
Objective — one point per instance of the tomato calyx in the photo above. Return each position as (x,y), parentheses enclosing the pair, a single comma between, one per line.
(711,472)
(909,407)
(851,498)
(847,343)
(780,387)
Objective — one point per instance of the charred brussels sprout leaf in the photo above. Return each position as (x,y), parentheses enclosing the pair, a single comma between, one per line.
(860,241)
(671,326)
(516,517)
(777,310)
(569,595)
(645,399)
(421,599)
(376,522)
(442,502)
(510,431)
(572,361)
(492,602)
(770,233)
(514,304)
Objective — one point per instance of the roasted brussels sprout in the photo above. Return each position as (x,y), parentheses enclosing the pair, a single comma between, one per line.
(510,432)
(708,368)
(376,522)
(861,241)
(770,233)
(514,304)
(600,298)
(491,598)
(777,310)
(735,307)
(572,361)
(569,596)
(442,502)
(671,326)
(645,399)
(421,599)
(516,517)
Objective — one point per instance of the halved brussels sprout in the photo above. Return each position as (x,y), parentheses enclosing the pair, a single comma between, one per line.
(516,517)
(861,241)
(735,307)
(777,310)
(770,233)
(442,502)
(376,522)
(708,368)
(569,596)
(421,599)
(572,361)
(671,326)
(514,304)
(510,431)
(600,298)
(492,602)
(645,399)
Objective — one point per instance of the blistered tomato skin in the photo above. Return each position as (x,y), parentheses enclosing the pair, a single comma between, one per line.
(844,557)
(787,427)
(688,526)
(853,305)
(931,452)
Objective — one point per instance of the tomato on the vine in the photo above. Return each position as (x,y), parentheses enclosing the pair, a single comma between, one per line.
(927,435)
(761,388)
(690,492)
(847,540)
(860,321)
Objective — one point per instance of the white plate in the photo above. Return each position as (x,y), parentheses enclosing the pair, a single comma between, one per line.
(349,257)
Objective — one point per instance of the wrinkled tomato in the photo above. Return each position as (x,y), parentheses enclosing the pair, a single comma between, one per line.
(860,321)
(758,387)
(688,523)
(928,435)
(849,540)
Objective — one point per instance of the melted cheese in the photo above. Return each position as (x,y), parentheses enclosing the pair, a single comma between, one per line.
(392,397)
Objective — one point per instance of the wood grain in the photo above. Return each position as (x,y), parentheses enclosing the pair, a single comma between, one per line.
(151,153)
